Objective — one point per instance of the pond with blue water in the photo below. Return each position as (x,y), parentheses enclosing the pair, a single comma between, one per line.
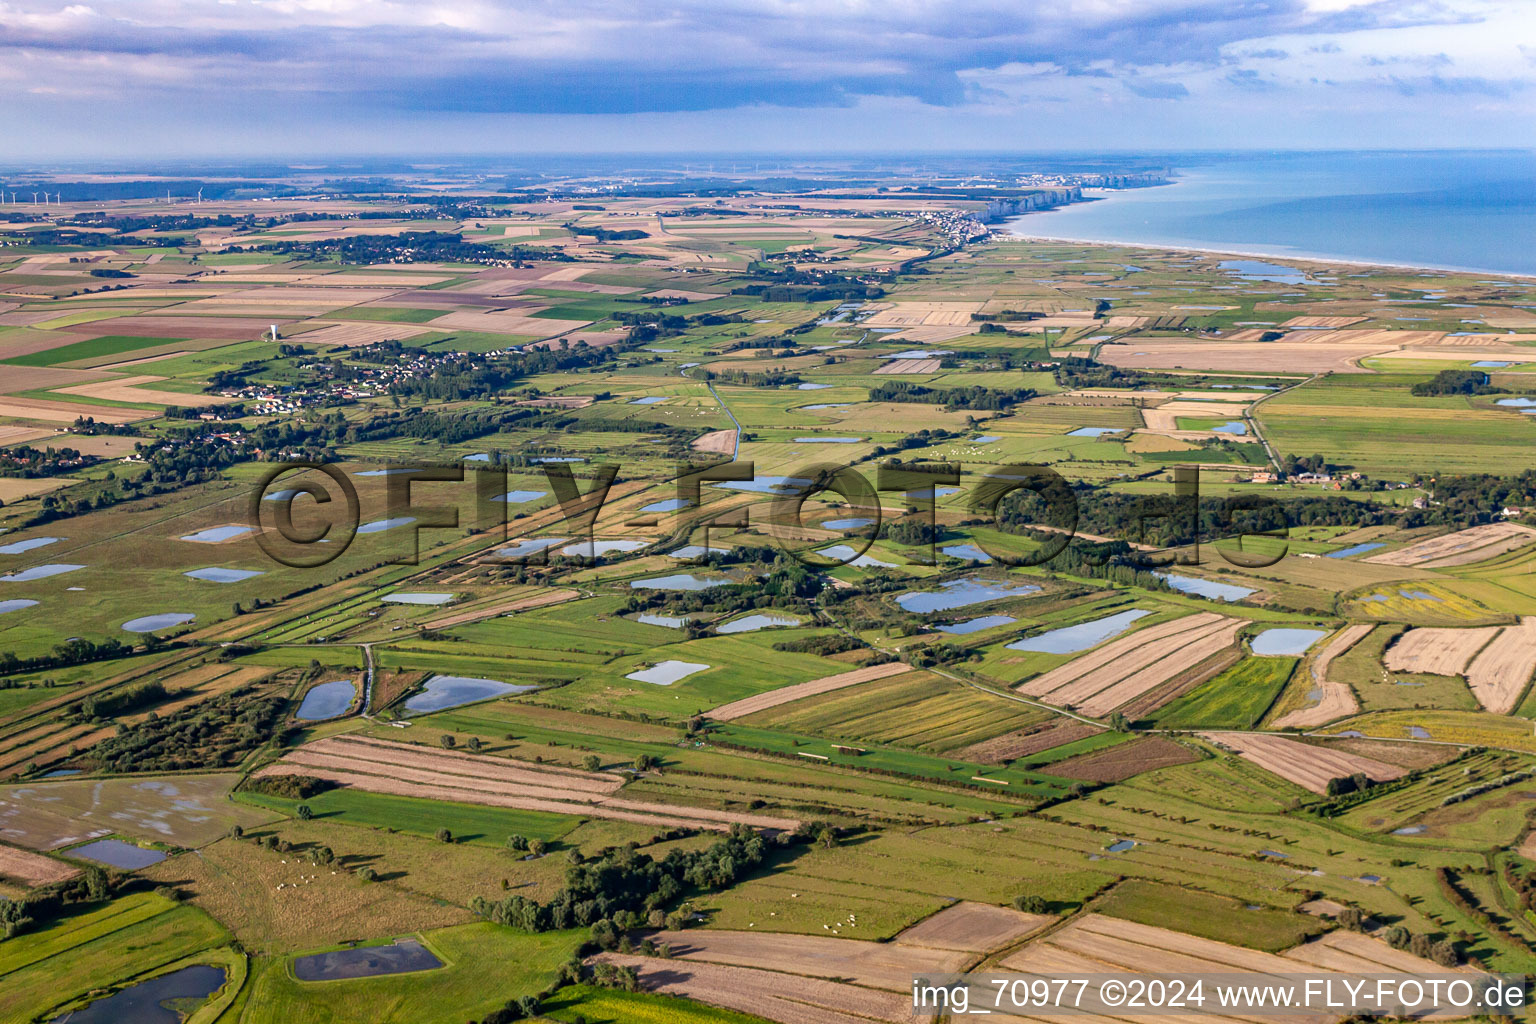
(961,593)
(442,692)
(327,700)
(1071,639)
(667,672)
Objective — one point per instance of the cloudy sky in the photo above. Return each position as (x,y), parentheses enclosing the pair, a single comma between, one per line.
(210,78)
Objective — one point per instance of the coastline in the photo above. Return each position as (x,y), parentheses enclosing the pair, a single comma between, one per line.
(1260,253)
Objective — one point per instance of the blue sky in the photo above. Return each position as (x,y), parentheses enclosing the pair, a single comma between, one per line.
(214,78)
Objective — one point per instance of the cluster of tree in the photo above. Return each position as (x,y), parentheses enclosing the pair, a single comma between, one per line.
(825,645)
(445,427)
(605,235)
(769,379)
(921,439)
(75,651)
(213,734)
(1082,372)
(49,903)
(976,397)
(119,702)
(289,787)
(1456,382)
(66,238)
(626,889)
(403,247)
(23,460)
(88,425)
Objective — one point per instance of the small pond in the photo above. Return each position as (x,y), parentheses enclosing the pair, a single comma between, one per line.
(1358,549)
(521,497)
(1071,639)
(214,574)
(1285,642)
(848,555)
(327,700)
(597,548)
(164,620)
(845,524)
(1261,270)
(380,525)
(443,692)
(669,621)
(811,387)
(1209,589)
(667,672)
(15,605)
(117,854)
(145,1003)
(416,598)
(217,534)
(366,962)
(680,581)
(1120,845)
(524,548)
(1231,427)
(960,593)
(652,400)
(753,623)
(669,505)
(1094,431)
(41,572)
(969,552)
(17,547)
(697,551)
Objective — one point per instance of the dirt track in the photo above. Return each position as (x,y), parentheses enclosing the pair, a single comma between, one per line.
(1337,699)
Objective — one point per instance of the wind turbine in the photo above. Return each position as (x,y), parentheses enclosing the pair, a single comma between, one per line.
(199,197)
(34,198)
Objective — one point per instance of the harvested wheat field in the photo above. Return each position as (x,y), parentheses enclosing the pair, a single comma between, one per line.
(1274,357)
(785,998)
(1094,943)
(1500,672)
(130,389)
(15,488)
(1308,765)
(1334,699)
(721,442)
(497,322)
(810,688)
(1123,760)
(403,769)
(903,366)
(1023,742)
(973,928)
(1322,321)
(1442,652)
(888,965)
(216,328)
(347,335)
(924,314)
(1460,548)
(1101,681)
(32,868)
